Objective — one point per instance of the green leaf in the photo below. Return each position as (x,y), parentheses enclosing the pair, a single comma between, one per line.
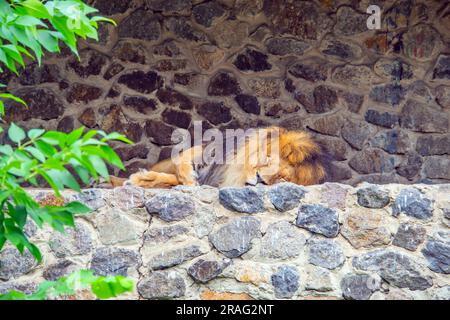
(15,133)
(36,153)
(109,287)
(76,207)
(35,133)
(36,8)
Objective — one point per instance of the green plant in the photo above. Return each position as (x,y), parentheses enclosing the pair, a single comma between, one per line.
(48,155)
(102,287)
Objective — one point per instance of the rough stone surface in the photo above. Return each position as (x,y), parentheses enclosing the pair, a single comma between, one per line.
(234,238)
(206,270)
(437,252)
(409,236)
(162,285)
(397,268)
(373,197)
(281,241)
(109,261)
(412,203)
(359,286)
(286,196)
(170,258)
(325,253)
(13,264)
(141,24)
(318,219)
(173,206)
(246,200)
(285,282)
(72,242)
(421,118)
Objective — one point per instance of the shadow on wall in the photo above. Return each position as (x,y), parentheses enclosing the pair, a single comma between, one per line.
(378,100)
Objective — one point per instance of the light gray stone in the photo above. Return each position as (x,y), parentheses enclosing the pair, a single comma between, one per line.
(437,252)
(13,264)
(359,286)
(246,200)
(412,203)
(409,236)
(162,285)
(286,196)
(325,253)
(285,282)
(282,240)
(73,242)
(170,258)
(171,206)
(109,261)
(373,197)
(318,219)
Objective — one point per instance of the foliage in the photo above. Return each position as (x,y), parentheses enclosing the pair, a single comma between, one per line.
(102,287)
(48,156)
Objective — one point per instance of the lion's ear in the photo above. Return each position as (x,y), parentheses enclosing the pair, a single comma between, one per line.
(298,146)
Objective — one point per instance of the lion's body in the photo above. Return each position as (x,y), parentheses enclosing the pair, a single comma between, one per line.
(287,156)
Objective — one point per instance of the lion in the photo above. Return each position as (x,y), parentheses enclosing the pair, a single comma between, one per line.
(283,156)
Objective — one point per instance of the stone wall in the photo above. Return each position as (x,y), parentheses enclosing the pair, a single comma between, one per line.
(329,241)
(379,101)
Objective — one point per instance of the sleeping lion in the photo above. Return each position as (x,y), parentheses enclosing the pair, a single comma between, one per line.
(267,155)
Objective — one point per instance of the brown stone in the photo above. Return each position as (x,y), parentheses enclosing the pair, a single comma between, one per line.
(177,118)
(437,167)
(174,98)
(35,74)
(224,84)
(410,167)
(129,52)
(214,295)
(214,112)
(171,65)
(338,173)
(354,76)
(366,231)
(90,63)
(312,69)
(265,87)
(443,96)
(113,69)
(87,118)
(208,56)
(132,152)
(230,33)
(140,104)
(141,24)
(168,48)
(66,124)
(334,147)
(140,81)
(115,120)
(79,92)
(158,132)
(277,109)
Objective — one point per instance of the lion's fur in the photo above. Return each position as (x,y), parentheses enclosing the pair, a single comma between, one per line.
(297,158)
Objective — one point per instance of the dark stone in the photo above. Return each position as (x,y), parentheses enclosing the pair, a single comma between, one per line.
(129,52)
(358,286)
(133,152)
(396,70)
(13,264)
(437,167)
(110,261)
(184,29)
(383,119)
(421,118)
(302,19)
(113,69)
(392,141)
(234,238)
(214,112)
(252,60)
(158,132)
(289,85)
(170,258)
(409,236)
(140,104)
(164,234)
(248,103)
(277,109)
(223,84)
(171,206)
(373,197)
(79,92)
(177,118)
(205,270)
(312,72)
(206,13)
(318,219)
(353,101)
(338,173)
(285,282)
(286,46)
(19,286)
(113,92)
(391,94)
(372,161)
(286,196)
(396,268)
(433,145)
(410,166)
(168,48)
(356,133)
(35,74)
(162,285)
(246,200)
(325,253)
(66,124)
(42,104)
(87,118)
(115,120)
(171,65)
(90,63)
(442,68)
(330,125)
(141,24)
(323,99)
(412,203)
(73,242)
(141,81)
(110,7)
(334,147)
(174,98)
(58,270)
(170,7)
(437,252)
(350,22)
(340,50)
